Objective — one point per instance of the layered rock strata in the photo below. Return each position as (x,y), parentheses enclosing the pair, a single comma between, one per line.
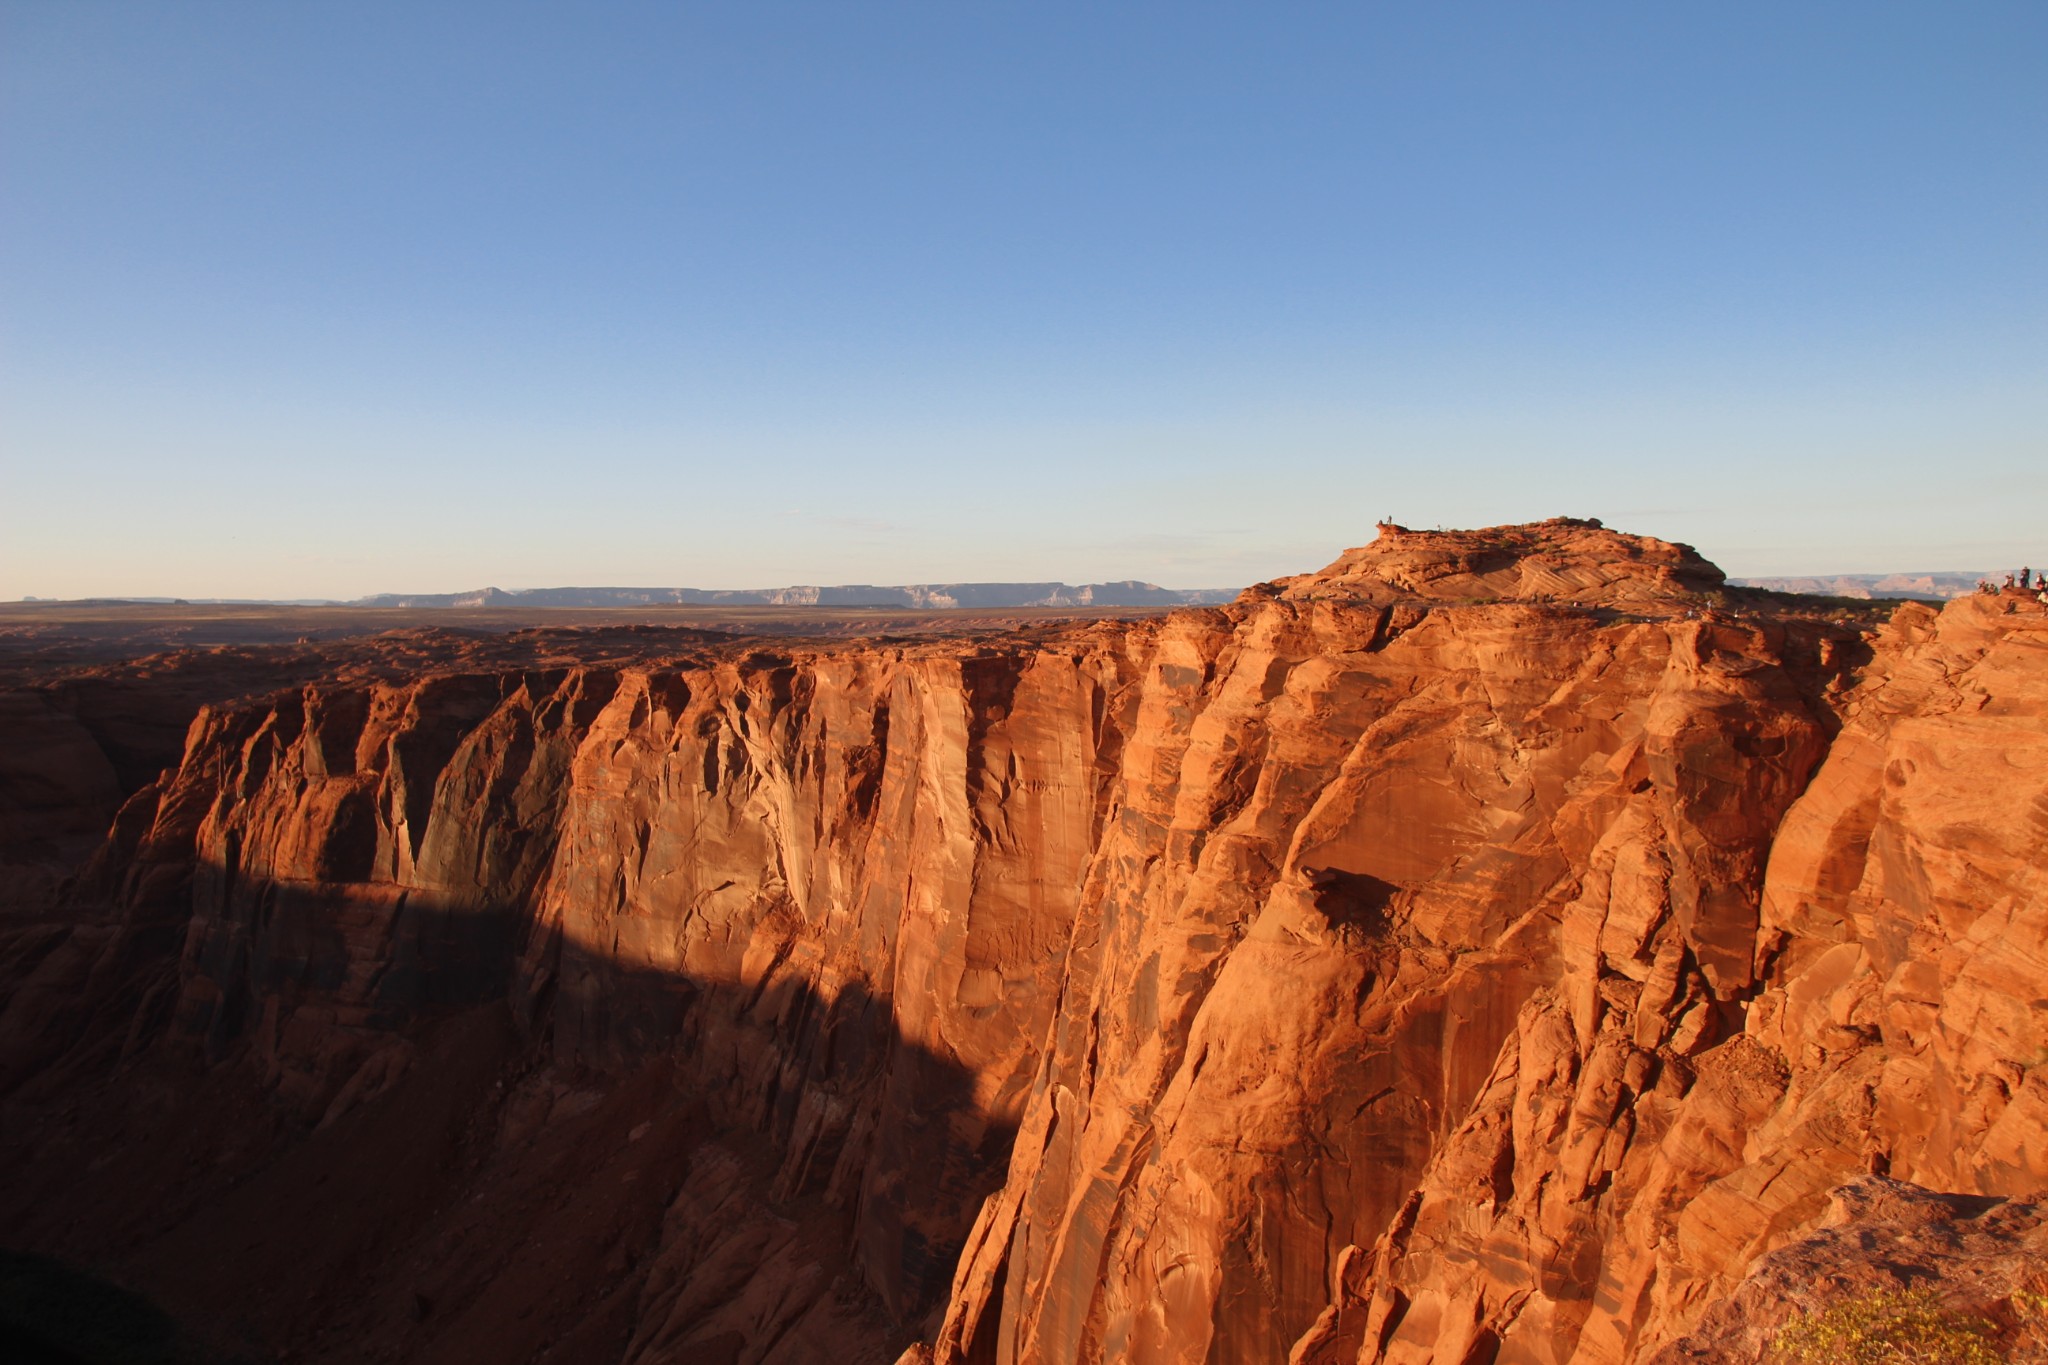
(1485,949)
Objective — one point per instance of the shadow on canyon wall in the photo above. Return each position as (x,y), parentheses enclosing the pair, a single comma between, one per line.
(52,1314)
(484,1148)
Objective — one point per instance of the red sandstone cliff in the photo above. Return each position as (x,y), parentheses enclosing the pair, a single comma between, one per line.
(1487,948)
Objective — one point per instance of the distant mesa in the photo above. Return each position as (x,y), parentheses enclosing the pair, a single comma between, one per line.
(1564,559)
(921,596)
(1946,585)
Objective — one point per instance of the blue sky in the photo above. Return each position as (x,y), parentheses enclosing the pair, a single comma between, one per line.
(334,298)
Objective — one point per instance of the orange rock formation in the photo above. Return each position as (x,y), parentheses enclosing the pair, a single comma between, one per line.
(1487,948)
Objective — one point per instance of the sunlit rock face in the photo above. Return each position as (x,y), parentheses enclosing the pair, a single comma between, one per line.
(1485,949)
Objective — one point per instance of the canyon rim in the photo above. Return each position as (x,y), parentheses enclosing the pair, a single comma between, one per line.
(1512,945)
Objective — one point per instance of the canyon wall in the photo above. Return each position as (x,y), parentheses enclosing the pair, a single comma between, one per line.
(1485,949)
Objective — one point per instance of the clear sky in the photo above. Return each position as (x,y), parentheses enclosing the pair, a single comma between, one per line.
(323,299)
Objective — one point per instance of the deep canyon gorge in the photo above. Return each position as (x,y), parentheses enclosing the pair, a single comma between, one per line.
(1498,946)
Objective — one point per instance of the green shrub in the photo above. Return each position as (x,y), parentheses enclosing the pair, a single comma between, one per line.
(1889,1327)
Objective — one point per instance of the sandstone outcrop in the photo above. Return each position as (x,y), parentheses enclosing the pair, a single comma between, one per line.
(1564,559)
(1977,1254)
(1488,948)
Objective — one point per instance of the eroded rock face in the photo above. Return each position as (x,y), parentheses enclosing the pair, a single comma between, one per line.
(1487,948)
(1394,880)
(829,895)
(1630,1167)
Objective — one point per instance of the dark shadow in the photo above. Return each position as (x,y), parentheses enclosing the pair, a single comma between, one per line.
(203,1154)
(1352,900)
(1480,562)
(1484,1349)
(52,1314)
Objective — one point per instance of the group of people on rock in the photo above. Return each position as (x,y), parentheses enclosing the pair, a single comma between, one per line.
(2025,583)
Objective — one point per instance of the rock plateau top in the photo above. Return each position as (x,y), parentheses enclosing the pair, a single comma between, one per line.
(1565,559)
